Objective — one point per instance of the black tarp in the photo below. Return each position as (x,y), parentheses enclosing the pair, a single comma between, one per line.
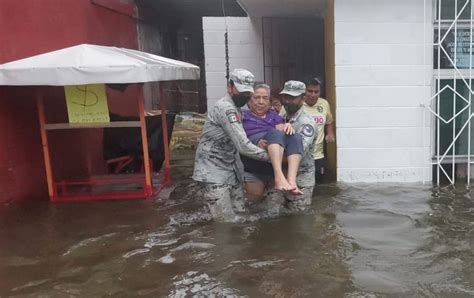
(127,141)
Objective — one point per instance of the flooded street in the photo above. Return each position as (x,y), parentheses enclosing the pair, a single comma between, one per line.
(357,240)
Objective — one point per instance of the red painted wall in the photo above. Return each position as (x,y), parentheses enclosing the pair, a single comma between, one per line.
(30,27)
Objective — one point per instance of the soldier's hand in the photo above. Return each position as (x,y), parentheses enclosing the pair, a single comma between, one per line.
(288,129)
(263,144)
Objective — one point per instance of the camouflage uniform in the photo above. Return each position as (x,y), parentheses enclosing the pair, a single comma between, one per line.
(216,163)
(305,126)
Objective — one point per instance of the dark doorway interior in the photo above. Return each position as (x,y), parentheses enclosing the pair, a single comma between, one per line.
(293,49)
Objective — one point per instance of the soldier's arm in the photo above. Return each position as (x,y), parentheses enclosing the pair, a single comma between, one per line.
(308,133)
(232,125)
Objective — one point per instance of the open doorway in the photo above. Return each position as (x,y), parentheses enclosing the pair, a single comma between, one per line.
(293,49)
(300,48)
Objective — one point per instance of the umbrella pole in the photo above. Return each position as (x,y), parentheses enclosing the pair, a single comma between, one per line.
(44,141)
(146,156)
(164,128)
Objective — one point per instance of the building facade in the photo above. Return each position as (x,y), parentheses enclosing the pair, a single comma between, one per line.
(401,115)
(397,73)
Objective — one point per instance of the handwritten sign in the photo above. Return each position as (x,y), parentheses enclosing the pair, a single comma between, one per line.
(87,104)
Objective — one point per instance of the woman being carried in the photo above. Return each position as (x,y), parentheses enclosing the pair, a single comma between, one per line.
(265,128)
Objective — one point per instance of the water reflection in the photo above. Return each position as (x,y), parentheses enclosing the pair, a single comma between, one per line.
(358,240)
(450,247)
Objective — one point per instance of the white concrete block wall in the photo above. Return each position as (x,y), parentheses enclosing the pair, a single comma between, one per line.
(245,51)
(383,74)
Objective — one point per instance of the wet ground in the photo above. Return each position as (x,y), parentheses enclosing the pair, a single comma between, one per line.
(356,241)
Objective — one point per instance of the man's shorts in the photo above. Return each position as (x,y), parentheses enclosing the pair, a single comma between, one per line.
(319,169)
(257,178)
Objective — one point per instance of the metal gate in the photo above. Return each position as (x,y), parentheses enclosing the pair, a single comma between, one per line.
(293,49)
(452,89)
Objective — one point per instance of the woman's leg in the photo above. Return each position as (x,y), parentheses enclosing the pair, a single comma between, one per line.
(293,165)
(255,186)
(294,152)
(254,191)
(275,149)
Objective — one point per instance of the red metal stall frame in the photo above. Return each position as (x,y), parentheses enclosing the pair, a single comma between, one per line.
(148,189)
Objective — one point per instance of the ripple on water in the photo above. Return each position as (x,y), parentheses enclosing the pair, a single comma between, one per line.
(357,241)
(168,259)
(192,283)
(193,245)
(408,239)
(82,246)
(134,252)
(163,237)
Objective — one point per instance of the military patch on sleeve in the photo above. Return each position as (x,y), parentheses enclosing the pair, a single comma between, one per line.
(233,116)
(307,130)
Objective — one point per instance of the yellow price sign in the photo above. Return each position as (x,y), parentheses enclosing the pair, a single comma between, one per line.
(87,103)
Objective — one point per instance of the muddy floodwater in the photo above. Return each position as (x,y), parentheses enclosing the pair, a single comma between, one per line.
(364,240)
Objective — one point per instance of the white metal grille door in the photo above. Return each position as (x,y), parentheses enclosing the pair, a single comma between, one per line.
(452,95)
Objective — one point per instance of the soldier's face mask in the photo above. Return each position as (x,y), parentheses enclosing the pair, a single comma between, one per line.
(291,108)
(292,104)
(240,99)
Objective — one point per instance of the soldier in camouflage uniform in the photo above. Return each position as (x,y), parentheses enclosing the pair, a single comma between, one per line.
(223,138)
(292,99)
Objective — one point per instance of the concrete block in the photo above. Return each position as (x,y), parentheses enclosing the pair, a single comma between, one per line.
(243,37)
(382,96)
(379,117)
(382,11)
(215,91)
(380,33)
(215,64)
(390,137)
(381,157)
(213,23)
(214,51)
(374,175)
(238,23)
(383,54)
(383,76)
(254,65)
(216,78)
(214,38)
(245,50)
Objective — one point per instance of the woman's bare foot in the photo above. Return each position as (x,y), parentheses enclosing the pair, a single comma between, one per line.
(295,190)
(283,185)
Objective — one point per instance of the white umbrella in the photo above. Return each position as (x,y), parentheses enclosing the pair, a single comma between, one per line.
(92,64)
